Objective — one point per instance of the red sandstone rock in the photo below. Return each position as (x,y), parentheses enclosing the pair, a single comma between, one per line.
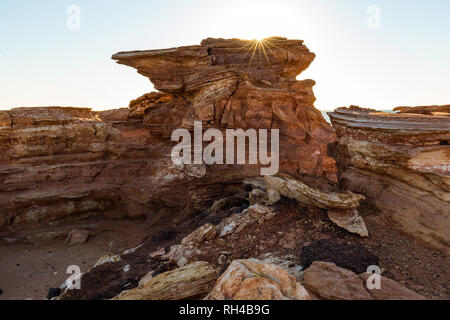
(390,290)
(221,84)
(429,110)
(401,163)
(60,162)
(330,282)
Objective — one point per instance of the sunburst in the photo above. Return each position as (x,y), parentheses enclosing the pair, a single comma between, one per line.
(262,48)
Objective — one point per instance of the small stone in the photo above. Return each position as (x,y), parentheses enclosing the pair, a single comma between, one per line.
(222,259)
(127,268)
(53,292)
(157,253)
(182,262)
(349,220)
(77,237)
(125,282)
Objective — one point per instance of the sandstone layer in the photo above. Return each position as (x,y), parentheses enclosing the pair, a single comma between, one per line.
(401,163)
(73,162)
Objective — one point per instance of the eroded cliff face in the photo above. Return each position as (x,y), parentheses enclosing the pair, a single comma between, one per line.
(401,162)
(70,162)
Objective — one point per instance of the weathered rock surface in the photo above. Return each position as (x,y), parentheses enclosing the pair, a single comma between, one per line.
(192,281)
(58,162)
(296,189)
(401,163)
(330,282)
(390,290)
(349,220)
(254,280)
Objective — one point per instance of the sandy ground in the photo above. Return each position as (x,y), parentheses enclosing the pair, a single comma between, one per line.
(28,270)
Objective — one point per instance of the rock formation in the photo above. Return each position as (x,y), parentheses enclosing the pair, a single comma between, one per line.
(189,282)
(330,282)
(64,162)
(254,280)
(237,84)
(401,163)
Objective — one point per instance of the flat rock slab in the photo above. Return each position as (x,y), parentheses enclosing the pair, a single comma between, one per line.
(330,282)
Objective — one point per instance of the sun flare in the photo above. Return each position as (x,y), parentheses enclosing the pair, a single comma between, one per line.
(258,51)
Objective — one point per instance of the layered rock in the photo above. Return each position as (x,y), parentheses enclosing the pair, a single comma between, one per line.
(401,163)
(189,282)
(237,84)
(63,162)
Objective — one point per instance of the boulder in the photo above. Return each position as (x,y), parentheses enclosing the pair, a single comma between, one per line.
(331,282)
(328,281)
(254,280)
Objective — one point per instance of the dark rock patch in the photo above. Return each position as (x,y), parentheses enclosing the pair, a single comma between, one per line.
(352,257)
(53,292)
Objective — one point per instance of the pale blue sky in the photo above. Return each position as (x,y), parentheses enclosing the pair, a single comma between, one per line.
(43,63)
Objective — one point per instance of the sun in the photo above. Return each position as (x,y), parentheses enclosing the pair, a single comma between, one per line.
(258,52)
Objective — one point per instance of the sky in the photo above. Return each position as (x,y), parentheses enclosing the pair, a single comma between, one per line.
(379,53)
